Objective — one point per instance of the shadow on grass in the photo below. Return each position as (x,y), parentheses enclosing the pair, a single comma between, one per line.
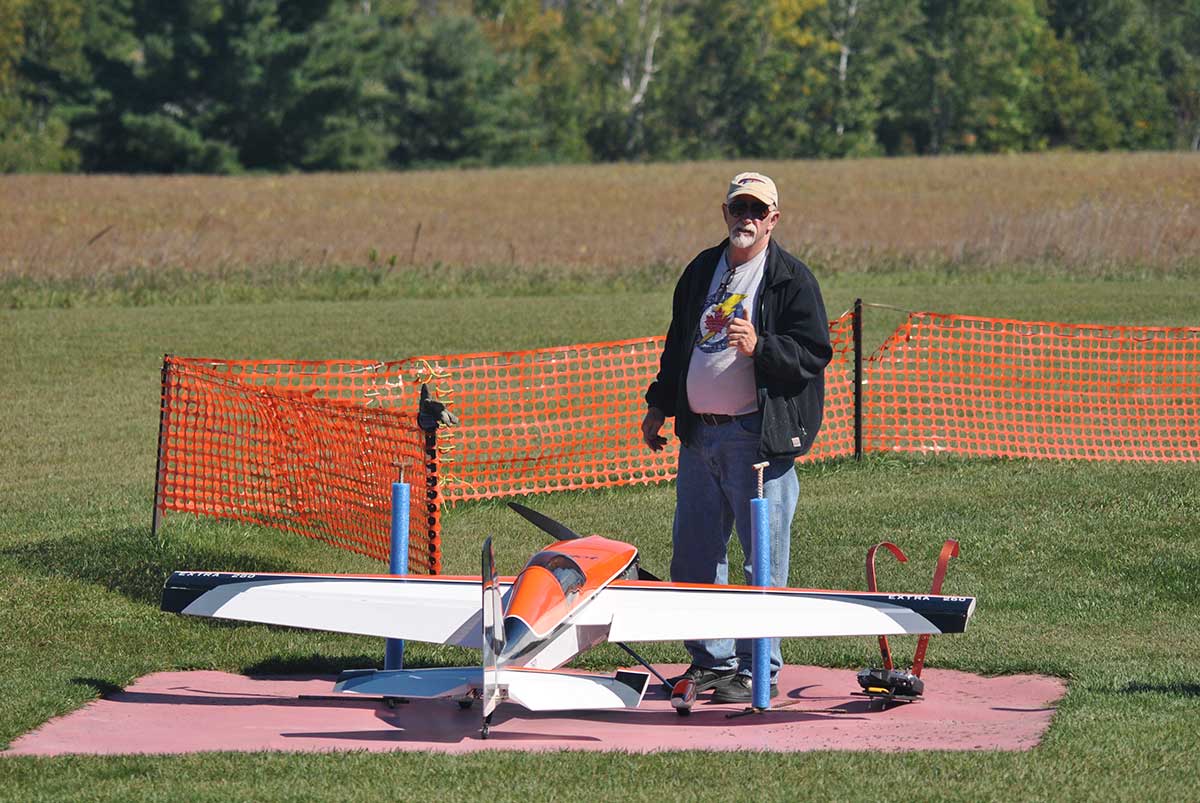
(102,687)
(331,665)
(313,664)
(1176,689)
(130,562)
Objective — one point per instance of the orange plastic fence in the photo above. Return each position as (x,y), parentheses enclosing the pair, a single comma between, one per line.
(569,418)
(992,387)
(836,438)
(312,447)
(549,420)
(294,445)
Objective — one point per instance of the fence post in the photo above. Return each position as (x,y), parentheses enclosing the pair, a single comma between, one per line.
(163,401)
(432,500)
(432,414)
(858,378)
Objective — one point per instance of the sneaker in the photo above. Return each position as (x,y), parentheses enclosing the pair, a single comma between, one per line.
(704,678)
(738,689)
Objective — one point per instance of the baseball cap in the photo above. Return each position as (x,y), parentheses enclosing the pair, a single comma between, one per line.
(754,184)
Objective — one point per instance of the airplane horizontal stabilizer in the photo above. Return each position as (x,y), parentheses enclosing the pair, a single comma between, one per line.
(538,690)
(423,684)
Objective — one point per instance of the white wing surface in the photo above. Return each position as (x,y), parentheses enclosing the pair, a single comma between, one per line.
(435,609)
(645,611)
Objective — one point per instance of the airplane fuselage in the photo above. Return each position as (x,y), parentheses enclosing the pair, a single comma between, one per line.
(554,585)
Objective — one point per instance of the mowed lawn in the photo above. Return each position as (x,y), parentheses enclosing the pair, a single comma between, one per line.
(1085,571)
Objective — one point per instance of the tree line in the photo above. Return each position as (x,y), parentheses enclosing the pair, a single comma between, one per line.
(223,86)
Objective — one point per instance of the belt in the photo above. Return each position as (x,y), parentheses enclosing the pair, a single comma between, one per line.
(713,419)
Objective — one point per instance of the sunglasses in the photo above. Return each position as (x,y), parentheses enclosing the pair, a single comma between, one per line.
(756,209)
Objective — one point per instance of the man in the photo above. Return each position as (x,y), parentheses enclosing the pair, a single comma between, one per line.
(742,374)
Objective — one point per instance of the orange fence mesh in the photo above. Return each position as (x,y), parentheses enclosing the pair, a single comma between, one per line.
(836,438)
(990,387)
(549,420)
(295,446)
(569,418)
(312,447)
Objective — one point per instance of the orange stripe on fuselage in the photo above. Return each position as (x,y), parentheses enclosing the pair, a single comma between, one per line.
(537,597)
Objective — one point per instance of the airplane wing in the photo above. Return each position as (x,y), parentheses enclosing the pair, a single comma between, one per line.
(444,610)
(641,611)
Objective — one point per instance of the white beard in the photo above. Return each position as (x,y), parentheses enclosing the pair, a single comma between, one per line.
(741,239)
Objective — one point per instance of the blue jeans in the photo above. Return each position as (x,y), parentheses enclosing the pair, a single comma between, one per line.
(715,484)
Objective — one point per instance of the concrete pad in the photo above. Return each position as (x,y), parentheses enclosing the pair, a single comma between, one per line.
(186,712)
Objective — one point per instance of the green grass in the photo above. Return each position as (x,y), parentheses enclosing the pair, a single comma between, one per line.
(387,281)
(1085,571)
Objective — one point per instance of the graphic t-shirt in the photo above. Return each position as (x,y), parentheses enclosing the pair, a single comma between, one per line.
(720,378)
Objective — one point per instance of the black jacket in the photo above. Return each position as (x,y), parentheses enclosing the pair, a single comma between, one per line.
(789,360)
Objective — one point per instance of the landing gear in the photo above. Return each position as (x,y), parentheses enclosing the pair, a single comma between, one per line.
(487,726)
(683,696)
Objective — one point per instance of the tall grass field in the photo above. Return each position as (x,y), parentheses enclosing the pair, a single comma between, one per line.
(1086,571)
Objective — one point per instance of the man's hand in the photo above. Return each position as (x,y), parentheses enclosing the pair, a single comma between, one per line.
(651,424)
(742,335)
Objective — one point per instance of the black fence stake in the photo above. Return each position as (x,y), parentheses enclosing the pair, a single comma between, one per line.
(156,517)
(858,379)
(428,420)
(432,517)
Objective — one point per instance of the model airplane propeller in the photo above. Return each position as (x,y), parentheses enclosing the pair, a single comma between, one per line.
(562,532)
(576,593)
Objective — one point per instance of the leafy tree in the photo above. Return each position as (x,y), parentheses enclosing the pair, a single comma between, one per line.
(1177,23)
(868,41)
(744,89)
(977,83)
(228,85)
(40,44)
(1071,108)
(1119,49)
(548,71)
(622,53)
(454,100)
(217,86)
(337,117)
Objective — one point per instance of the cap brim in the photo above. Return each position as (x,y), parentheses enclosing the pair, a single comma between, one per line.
(753,192)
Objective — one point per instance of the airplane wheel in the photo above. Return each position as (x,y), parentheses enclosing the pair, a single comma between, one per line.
(465,704)
(683,695)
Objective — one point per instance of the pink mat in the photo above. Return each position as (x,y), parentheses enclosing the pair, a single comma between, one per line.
(185,712)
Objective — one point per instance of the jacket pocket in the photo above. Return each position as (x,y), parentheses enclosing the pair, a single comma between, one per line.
(796,417)
(782,433)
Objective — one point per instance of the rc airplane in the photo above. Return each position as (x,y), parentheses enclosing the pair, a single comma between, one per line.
(571,596)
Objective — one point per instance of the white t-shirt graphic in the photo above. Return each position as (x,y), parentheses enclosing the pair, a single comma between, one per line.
(720,378)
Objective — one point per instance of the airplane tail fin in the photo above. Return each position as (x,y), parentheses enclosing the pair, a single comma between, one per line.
(493,631)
